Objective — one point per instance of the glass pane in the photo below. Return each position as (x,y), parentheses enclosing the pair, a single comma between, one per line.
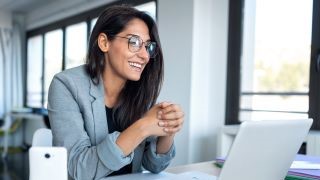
(34,72)
(256,116)
(276,54)
(149,8)
(292,103)
(76,44)
(93,22)
(53,58)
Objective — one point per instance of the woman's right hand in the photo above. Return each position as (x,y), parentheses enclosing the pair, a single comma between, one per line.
(150,122)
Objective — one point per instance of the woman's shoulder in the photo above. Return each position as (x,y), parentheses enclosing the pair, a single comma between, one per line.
(74,76)
(75,73)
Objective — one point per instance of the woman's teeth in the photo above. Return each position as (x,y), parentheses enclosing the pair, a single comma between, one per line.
(136,65)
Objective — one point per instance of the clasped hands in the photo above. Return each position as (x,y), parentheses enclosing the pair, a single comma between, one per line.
(164,119)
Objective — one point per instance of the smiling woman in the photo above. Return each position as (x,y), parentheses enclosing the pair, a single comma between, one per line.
(105,112)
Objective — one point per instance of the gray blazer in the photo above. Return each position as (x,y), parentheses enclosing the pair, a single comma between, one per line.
(79,123)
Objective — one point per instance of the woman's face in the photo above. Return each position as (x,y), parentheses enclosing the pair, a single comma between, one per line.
(122,62)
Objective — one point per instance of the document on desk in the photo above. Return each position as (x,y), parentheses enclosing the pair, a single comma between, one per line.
(304,165)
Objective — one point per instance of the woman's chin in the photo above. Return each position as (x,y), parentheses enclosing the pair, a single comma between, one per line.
(134,78)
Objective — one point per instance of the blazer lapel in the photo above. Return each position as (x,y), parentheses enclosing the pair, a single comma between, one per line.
(98,111)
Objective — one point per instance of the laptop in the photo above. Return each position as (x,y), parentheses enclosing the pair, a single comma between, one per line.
(49,163)
(264,150)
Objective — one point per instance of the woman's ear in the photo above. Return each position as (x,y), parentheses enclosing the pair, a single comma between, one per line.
(103,42)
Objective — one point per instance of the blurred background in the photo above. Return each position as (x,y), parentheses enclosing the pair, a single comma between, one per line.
(225,62)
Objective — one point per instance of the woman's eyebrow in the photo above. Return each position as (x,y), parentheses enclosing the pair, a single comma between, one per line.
(138,36)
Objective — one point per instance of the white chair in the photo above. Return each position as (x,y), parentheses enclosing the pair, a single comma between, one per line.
(45,161)
(42,137)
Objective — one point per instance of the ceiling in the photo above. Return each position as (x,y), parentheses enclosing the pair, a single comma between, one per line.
(22,5)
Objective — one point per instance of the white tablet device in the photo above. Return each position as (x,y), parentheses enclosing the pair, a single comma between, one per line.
(49,163)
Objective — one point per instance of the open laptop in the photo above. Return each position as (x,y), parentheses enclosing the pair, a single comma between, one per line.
(264,150)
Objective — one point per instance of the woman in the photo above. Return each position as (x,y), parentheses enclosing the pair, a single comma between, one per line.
(104,112)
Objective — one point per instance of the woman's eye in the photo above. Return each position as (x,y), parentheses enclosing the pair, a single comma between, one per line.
(134,42)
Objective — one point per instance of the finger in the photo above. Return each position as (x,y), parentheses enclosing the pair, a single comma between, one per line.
(164,104)
(171,123)
(171,115)
(170,108)
(172,130)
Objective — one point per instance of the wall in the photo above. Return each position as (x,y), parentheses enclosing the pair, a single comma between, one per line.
(194,41)
(208,83)
(176,29)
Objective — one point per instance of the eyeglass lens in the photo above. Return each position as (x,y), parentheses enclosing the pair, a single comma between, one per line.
(135,44)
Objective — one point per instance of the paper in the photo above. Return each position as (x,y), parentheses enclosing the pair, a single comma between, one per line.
(304,165)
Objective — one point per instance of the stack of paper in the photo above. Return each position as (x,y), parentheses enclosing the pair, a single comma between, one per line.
(303,168)
(309,168)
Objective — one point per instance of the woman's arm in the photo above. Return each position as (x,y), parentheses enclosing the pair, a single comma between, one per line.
(161,150)
(147,126)
(85,161)
(171,119)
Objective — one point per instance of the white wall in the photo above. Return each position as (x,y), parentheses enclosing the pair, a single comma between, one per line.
(194,40)
(208,83)
(175,20)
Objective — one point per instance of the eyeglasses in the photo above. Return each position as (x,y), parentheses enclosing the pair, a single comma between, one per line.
(135,43)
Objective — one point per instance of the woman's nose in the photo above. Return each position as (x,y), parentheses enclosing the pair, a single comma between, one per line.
(143,53)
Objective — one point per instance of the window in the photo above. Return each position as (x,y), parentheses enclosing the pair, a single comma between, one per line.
(52,58)
(149,7)
(93,22)
(60,46)
(76,44)
(269,72)
(34,70)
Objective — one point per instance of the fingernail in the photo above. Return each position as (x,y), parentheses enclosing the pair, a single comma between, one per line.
(161,123)
(160,112)
(166,129)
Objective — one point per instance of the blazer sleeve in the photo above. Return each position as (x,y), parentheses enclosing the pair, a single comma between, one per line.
(154,162)
(85,161)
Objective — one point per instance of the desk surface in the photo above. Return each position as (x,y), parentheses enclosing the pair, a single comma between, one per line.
(205,167)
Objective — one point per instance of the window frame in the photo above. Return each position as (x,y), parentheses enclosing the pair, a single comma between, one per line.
(86,16)
(233,95)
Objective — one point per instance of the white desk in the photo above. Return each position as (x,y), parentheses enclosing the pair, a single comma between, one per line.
(169,174)
(206,167)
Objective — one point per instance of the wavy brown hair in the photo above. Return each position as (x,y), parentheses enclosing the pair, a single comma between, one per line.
(137,97)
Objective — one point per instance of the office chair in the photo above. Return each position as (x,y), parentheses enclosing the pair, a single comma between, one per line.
(42,137)
(45,161)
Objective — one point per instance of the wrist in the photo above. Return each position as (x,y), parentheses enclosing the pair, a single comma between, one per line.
(142,127)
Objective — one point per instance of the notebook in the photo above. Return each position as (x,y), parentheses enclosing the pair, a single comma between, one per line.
(264,150)
(49,163)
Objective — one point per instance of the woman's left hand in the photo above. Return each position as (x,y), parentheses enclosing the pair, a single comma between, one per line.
(170,117)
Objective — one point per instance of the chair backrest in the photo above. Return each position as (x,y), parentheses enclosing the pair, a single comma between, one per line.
(46,162)
(42,137)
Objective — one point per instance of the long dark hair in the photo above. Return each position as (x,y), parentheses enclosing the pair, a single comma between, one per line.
(137,97)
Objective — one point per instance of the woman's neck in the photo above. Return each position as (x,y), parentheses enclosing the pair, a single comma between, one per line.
(112,87)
